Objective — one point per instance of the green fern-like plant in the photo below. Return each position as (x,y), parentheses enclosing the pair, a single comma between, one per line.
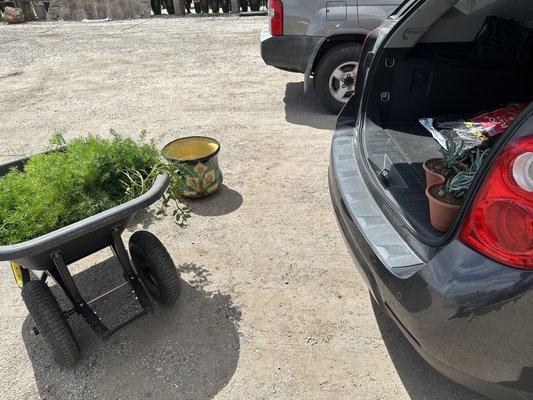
(74,181)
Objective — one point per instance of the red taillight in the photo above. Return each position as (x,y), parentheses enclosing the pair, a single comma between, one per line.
(275,12)
(500,221)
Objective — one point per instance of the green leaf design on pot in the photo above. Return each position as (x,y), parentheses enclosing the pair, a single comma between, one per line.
(202,176)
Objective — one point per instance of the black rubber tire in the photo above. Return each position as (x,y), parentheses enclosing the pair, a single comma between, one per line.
(160,275)
(169,5)
(51,323)
(156,6)
(215,6)
(205,6)
(255,5)
(244,6)
(326,65)
(226,6)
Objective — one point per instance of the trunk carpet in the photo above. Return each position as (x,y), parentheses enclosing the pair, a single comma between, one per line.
(402,152)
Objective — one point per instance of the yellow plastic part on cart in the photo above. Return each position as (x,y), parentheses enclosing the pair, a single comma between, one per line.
(17,273)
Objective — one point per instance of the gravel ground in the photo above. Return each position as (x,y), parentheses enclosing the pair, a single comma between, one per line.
(272,306)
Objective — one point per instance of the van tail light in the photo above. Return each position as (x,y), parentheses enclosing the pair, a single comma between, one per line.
(499,223)
(275,13)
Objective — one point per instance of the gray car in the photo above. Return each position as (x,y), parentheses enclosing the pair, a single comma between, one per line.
(323,40)
(461,296)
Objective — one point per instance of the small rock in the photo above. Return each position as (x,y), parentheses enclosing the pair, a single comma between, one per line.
(14,15)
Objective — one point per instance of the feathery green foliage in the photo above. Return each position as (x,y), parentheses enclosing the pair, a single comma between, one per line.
(90,175)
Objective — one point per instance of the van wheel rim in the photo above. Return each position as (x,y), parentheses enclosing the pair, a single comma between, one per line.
(342,81)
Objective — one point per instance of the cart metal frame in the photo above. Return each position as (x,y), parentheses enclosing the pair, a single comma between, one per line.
(64,279)
(53,252)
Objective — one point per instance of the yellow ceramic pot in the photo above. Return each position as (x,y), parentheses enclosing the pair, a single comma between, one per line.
(196,158)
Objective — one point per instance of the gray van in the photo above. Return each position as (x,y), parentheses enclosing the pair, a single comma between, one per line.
(323,40)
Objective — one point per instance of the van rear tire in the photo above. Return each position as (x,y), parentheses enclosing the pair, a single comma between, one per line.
(335,58)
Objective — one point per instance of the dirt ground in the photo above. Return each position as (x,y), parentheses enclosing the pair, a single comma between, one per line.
(272,305)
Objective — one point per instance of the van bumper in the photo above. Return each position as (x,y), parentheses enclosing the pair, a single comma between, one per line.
(289,53)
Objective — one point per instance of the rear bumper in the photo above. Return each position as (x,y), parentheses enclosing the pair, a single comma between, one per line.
(289,53)
(467,316)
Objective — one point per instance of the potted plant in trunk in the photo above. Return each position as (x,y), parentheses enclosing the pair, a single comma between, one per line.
(445,198)
(438,170)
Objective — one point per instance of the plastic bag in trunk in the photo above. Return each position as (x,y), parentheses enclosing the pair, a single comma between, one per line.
(472,132)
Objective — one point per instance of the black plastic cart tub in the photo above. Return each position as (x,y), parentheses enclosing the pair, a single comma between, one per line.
(150,267)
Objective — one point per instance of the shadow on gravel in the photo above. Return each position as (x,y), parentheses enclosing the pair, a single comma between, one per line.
(303,108)
(224,201)
(144,218)
(420,380)
(189,351)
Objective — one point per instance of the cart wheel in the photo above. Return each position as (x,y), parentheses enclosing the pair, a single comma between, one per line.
(51,322)
(152,260)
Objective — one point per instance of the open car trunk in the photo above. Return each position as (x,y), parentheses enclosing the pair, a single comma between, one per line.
(433,78)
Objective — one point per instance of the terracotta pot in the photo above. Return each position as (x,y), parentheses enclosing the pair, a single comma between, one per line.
(432,178)
(441,214)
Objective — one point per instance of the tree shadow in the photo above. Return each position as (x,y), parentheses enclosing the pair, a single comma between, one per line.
(189,351)
(421,381)
(303,108)
(224,201)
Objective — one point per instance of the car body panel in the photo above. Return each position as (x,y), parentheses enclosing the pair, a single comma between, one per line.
(310,24)
(318,17)
(371,13)
(290,53)
(467,315)
(447,308)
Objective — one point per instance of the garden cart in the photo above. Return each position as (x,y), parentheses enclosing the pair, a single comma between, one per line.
(147,269)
